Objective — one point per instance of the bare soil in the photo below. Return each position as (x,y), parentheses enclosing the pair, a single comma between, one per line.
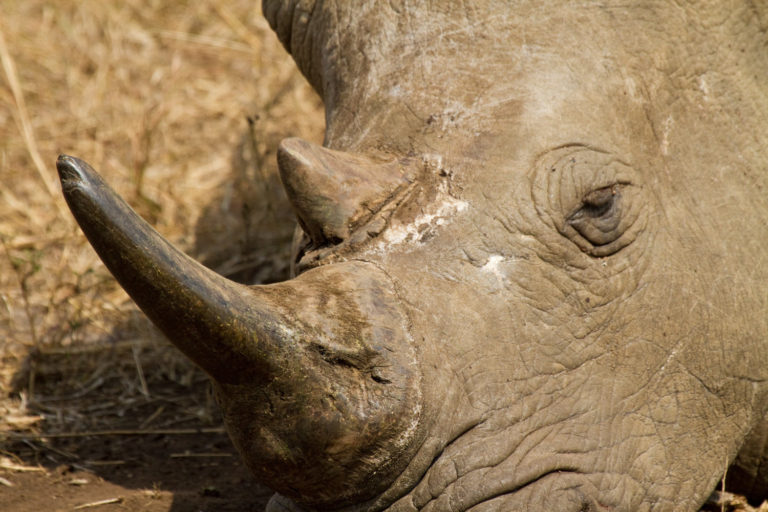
(126,442)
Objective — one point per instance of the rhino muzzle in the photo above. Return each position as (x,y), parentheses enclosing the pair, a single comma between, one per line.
(317,377)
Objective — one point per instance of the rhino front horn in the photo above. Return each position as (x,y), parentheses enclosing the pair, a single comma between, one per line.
(333,192)
(316,376)
(196,308)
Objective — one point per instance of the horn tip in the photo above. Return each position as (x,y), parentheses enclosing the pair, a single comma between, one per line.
(71,170)
(290,143)
(75,174)
(294,154)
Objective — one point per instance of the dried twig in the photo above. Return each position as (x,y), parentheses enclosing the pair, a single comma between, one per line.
(118,432)
(140,371)
(37,241)
(722,484)
(237,26)
(152,417)
(22,278)
(6,463)
(97,463)
(22,119)
(99,503)
(214,42)
(198,455)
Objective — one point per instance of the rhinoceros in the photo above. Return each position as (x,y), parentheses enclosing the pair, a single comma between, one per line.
(533,267)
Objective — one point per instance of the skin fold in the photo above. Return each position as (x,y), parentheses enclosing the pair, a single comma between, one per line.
(547,257)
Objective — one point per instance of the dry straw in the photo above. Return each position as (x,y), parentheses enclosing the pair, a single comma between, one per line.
(156,96)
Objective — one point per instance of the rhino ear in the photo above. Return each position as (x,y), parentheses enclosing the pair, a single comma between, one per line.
(333,192)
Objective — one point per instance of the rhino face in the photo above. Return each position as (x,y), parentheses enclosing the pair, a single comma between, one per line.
(533,271)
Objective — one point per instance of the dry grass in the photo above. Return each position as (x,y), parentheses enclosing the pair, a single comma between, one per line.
(155,95)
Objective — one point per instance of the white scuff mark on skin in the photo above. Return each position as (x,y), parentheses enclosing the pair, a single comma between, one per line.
(665,133)
(433,162)
(410,431)
(399,233)
(442,210)
(704,87)
(492,266)
(632,89)
(396,92)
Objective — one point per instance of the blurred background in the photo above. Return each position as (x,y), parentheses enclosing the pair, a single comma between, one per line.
(180,106)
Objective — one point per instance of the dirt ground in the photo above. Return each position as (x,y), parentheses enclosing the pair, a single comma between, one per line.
(125,442)
(180,106)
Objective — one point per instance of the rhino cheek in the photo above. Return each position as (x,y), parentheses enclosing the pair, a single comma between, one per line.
(543,348)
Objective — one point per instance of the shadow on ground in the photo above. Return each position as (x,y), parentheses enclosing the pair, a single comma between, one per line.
(132,426)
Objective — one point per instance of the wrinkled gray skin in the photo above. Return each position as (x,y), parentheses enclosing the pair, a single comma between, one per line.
(625,379)
(575,269)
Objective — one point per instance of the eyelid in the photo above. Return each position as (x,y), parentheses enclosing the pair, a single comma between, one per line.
(601,195)
(596,199)
(600,227)
(590,197)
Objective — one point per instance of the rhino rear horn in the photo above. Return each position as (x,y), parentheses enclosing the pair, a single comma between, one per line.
(332,192)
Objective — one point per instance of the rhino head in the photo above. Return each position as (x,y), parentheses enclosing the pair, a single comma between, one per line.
(533,271)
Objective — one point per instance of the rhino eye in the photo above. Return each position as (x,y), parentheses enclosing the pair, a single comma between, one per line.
(591,197)
(599,216)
